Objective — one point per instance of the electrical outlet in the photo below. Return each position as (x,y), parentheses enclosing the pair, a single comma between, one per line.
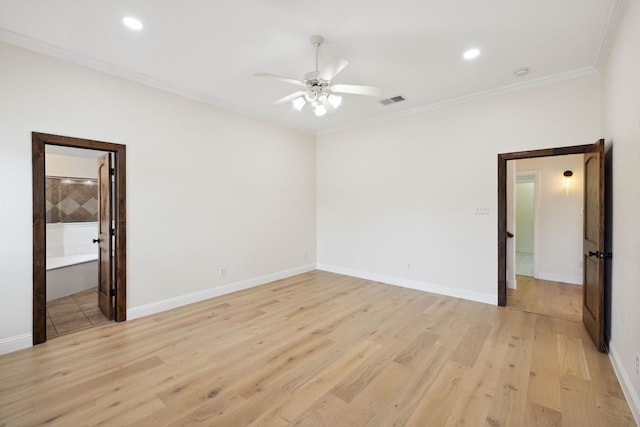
(306,255)
(222,271)
(409,267)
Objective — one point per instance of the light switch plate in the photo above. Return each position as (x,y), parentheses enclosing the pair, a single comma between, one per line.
(482,210)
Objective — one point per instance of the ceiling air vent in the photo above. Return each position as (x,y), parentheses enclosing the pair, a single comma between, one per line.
(392,100)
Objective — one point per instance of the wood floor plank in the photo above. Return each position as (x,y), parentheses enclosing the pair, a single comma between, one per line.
(368,401)
(471,344)
(509,405)
(544,373)
(358,380)
(480,386)
(401,405)
(307,394)
(437,404)
(572,359)
(318,349)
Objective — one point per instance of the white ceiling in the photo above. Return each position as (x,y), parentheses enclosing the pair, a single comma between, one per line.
(209,50)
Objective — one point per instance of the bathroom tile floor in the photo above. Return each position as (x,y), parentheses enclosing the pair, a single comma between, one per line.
(73,313)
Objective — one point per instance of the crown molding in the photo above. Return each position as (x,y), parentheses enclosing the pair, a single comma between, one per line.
(609,33)
(29,43)
(529,84)
(115,70)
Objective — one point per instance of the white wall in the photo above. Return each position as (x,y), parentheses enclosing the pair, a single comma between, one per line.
(70,166)
(71,238)
(525,216)
(621,118)
(206,188)
(559,240)
(404,191)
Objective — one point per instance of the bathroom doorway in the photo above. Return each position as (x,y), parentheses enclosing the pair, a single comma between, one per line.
(73,204)
(79,218)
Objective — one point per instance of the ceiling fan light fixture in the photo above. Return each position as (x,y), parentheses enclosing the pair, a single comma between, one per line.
(319,110)
(311,95)
(298,103)
(316,88)
(335,100)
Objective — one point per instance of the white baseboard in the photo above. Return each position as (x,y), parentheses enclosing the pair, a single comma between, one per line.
(512,284)
(414,284)
(19,342)
(575,280)
(179,301)
(627,387)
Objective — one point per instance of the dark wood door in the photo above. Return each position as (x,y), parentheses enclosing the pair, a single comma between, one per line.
(105,263)
(593,247)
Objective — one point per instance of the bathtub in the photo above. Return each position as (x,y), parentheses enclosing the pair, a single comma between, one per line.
(72,258)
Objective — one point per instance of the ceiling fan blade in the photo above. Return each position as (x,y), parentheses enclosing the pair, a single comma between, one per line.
(357,90)
(282,79)
(288,98)
(332,68)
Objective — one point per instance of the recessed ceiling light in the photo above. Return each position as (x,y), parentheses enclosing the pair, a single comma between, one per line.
(471,54)
(132,23)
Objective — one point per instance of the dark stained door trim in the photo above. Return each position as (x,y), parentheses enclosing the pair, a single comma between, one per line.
(105,239)
(38,141)
(594,246)
(502,203)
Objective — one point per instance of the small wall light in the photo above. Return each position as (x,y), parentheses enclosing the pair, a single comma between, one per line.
(567,180)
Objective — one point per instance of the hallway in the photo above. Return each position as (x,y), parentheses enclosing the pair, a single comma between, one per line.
(555,299)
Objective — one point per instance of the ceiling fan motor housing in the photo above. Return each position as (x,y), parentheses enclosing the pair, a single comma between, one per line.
(315,86)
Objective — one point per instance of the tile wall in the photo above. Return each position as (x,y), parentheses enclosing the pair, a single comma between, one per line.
(71,200)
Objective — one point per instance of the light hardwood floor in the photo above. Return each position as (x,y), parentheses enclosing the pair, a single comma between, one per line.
(561,300)
(318,349)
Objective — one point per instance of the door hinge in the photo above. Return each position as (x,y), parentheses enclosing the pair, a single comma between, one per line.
(112,292)
(113,231)
(112,171)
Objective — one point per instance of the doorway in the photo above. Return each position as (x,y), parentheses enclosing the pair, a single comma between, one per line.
(593,251)
(548,235)
(112,261)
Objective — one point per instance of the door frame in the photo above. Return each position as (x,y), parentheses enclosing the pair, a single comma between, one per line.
(38,141)
(502,203)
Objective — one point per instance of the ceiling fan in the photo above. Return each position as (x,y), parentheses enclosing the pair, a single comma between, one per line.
(317,88)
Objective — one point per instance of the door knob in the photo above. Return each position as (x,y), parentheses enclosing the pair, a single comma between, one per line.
(599,254)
